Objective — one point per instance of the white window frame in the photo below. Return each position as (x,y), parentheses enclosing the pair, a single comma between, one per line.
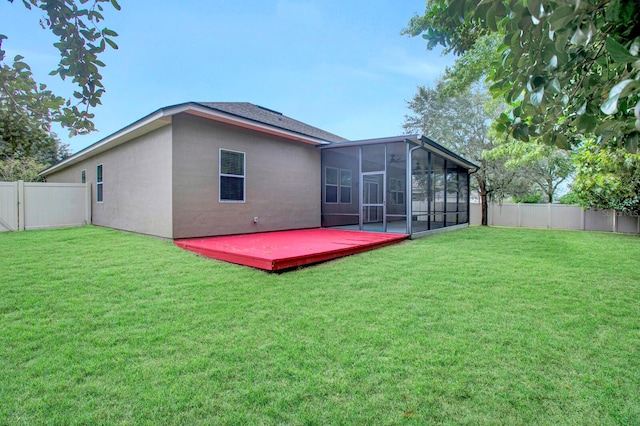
(100,183)
(336,185)
(340,186)
(397,188)
(243,176)
(83,176)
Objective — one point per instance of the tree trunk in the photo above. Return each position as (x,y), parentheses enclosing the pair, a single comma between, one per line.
(482,189)
(485,208)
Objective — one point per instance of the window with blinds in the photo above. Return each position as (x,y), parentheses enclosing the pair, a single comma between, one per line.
(232,176)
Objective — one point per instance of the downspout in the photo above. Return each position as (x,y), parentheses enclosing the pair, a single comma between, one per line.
(410,186)
(469,197)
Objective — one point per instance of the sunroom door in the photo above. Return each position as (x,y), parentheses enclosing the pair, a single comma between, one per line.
(373,202)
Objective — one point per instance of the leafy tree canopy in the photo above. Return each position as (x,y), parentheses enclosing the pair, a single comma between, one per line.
(25,147)
(546,166)
(568,69)
(26,168)
(21,137)
(607,178)
(81,40)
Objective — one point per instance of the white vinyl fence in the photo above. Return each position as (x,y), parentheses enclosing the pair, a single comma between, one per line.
(556,216)
(36,205)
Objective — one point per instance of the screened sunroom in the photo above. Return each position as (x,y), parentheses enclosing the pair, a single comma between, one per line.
(371,185)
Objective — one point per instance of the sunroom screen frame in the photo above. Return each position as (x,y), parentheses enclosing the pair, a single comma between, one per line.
(413,144)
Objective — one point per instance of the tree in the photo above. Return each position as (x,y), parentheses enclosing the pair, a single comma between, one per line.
(567,69)
(607,178)
(26,148)
(550,171)
(21,136)
(461,123)
(26,168)
(547,167)
(80,42)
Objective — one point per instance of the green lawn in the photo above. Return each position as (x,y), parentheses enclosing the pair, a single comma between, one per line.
(478,326)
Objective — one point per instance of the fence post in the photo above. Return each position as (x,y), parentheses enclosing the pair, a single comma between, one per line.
(87,206)
(21,215)
(614,221)
(519,215)
(549,224)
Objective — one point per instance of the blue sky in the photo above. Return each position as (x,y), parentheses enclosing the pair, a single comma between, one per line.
(338,65)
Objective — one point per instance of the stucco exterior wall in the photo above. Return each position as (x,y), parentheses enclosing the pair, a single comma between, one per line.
(136,184)
(282,181)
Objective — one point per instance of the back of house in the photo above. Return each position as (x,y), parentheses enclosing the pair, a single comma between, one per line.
(225,168)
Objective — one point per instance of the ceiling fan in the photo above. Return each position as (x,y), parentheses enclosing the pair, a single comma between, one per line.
(394,159)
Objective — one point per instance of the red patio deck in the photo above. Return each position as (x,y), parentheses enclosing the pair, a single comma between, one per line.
(274,251)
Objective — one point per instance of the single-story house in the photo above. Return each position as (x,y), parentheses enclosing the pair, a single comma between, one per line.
(202,169)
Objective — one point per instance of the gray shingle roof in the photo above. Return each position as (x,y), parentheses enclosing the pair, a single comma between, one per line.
(272,118)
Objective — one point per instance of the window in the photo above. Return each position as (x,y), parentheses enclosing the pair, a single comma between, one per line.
(337,185)
(396,191)
(83,176)
(232,176)
(330,185)
(345,186)
(99,189)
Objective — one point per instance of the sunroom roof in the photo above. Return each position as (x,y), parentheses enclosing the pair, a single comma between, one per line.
(419,140)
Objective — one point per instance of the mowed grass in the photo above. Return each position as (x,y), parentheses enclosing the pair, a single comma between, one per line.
(478,326)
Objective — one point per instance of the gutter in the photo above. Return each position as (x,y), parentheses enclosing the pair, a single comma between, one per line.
(448,153)
(420,138)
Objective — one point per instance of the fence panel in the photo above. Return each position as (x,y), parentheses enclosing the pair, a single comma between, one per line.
(50,205)
(628,223)
(36,205)
(504,215)
(534,215)
(564,216)
(599,220)
(475,218)
(8,206)
(556,216)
